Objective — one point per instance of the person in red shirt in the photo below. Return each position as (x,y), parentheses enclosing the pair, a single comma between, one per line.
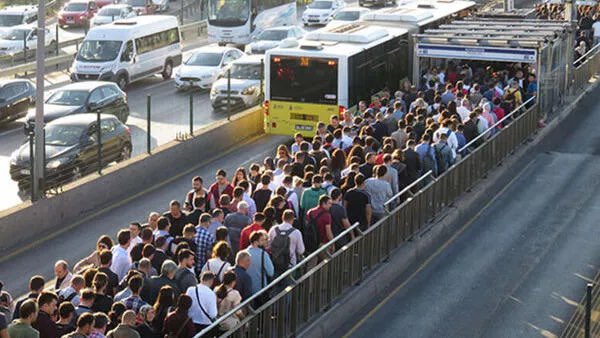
(220,187)
(259,219)
(323,219)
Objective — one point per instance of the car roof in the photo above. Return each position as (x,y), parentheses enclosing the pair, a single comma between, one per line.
(354,9)
(18,9)
(279,28)
(6,82)
(116,6)
(214,48)
(25,26)
(249,59)
(78,1)
(85,85)
(81,119)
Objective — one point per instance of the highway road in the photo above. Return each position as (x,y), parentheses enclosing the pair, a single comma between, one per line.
(521,264)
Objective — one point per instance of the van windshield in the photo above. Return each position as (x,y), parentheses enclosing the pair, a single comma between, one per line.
(98,51)
(7,20)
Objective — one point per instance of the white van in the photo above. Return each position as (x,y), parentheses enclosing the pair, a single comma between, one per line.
(129,50)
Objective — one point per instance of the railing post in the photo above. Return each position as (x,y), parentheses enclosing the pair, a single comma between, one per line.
(148,124)
(191,113)
(57,50)
(588,309)
(181,12)
(99,135)
(229,94)
(31,166)
(24,47)
(262,76)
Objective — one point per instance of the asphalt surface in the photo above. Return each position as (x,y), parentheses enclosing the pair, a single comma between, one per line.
(521,265)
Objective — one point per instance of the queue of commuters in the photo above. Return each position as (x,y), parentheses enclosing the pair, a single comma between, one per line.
(174,275)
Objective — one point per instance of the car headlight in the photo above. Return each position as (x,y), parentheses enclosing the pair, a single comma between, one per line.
(249,90)
(214,91)
(53,164)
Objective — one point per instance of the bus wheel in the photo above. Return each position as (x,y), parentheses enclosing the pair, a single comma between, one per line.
(168,70)
(122,81)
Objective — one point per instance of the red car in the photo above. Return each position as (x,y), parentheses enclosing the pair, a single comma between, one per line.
(102,3)
(77,13)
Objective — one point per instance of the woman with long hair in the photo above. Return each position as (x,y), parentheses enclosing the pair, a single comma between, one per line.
(227,299)
(356,151)
(240,175)
(163,305)
(283,153)
(269,218)
(218,263)
(178,324)
(338,163)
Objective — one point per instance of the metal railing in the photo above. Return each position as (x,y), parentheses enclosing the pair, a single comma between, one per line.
(315,291)
(583,324)
(586,67)
(410,189)
(290,278)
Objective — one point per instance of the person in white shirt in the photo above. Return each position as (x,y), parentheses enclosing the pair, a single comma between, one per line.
(296,241)
(246,198)
(121,261)
(204,302)
(464,110)
(452,140)
(218,264)
(596,28)
(292,197)
(134,228)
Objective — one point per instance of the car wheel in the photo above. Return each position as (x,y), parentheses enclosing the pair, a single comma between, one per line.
(52,46)
(76,173)
(168,71)
(125,152)
(122,81)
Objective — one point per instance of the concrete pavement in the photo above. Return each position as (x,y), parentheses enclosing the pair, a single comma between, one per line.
(521,264)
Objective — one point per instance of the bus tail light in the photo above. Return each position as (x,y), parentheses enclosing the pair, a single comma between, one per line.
(341,111)
(266,107)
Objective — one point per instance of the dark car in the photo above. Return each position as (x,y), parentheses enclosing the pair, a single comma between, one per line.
(84,97)
(72,149)
(16,96)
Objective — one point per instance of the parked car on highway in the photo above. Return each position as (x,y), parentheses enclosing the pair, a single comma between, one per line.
(84,97)
(320,12)
(201,69)
(13,40)
(271,37)
(348,15)
(142,7)
(71,149)
(245,83)
(17,15)
(77,13)
(16,96)
(110,13)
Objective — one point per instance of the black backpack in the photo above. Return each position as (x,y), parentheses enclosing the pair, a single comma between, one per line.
(280,250)
(312,238)
(441,162)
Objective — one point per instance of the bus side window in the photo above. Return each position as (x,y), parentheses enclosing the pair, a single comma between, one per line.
(127,54)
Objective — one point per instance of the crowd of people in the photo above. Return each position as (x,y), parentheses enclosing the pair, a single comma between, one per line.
(225,241)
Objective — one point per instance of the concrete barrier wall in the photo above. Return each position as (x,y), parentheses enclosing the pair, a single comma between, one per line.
(28,221)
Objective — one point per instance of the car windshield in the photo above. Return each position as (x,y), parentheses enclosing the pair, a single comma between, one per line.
(135,3)
(68,97)
(98,51)
(7,20)
(347,16)
(204,59)
(245,71)
(110,12)
(15,34)
(76,7)
(321,5)
(273,35)
(63,134)
(228,13)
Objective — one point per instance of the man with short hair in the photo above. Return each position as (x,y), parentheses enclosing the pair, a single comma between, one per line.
(134,302)
(176,218)
(263,194)
(62,274)
(235,222)
(22,327)
(310,196)
(367,168)
(322,218)
(198,191)
(71,294)
(204,302)
(36,286)
(260,268)
(135,229)
(243,282)
(339,218)
(185,275)
(85,322)
(358,203)
(204,241)
(380,191)
(85,303)
(259,220)
(296,241)
(100,324)
(126,329)
(47,302)
(66,314)
(121,260)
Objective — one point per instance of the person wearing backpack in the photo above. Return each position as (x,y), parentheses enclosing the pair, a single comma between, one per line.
(285,243)
(443,154)
(318,221)
(426,154)
(218,264)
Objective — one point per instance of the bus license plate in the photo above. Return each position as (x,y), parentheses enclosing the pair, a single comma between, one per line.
(304,127)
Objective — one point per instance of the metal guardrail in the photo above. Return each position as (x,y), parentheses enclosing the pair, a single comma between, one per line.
(189,31)
(583,324)
(316,290)
(585,67)
(289,277)
(408,190)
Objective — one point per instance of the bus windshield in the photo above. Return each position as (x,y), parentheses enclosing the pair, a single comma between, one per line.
(7,20)
(228,13)
(304,79)
(98,51)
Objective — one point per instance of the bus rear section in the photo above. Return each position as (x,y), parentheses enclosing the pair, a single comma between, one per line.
(329,71)
(303,91)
